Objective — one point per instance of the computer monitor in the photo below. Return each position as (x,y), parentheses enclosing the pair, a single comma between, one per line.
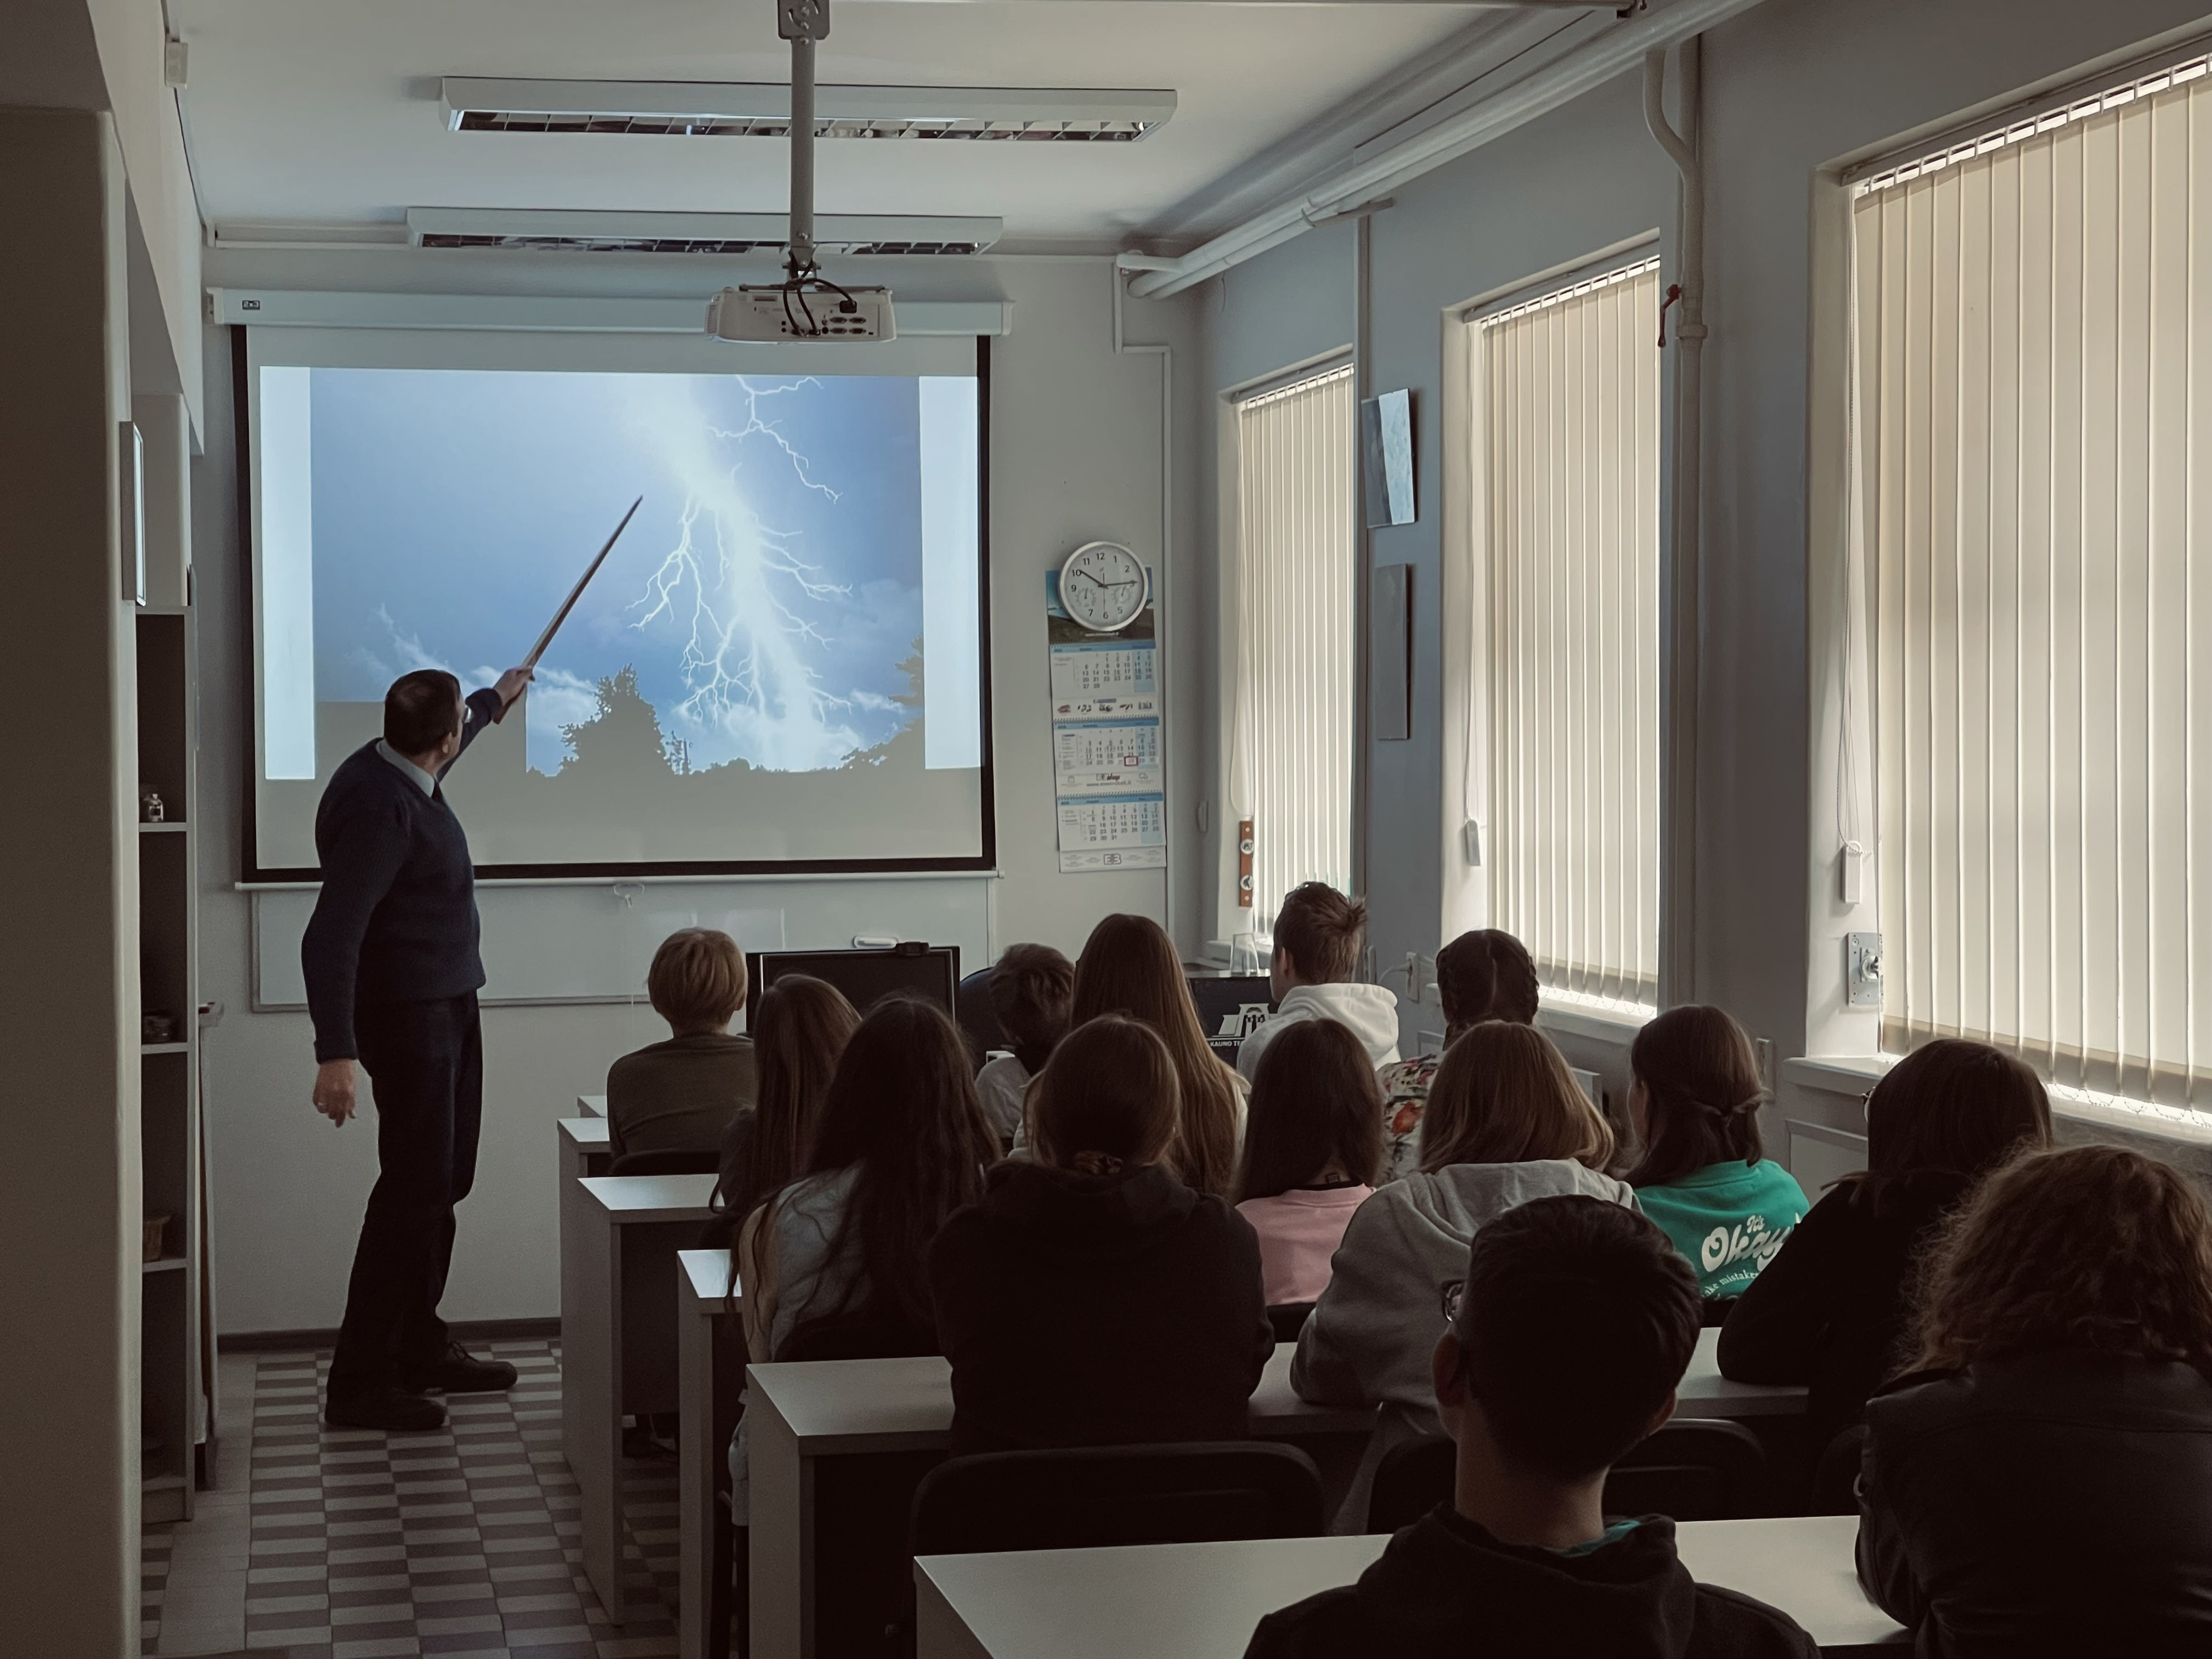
(1228,1006)
(866,977)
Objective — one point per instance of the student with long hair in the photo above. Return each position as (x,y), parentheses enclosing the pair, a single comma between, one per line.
(2041,1483)
(1506,1123)
(1313,1140)
(1702,1174)
(1130,966)
(799,1029)
(902,1145)
(1484,975)
(1829,1310)
(1092,1298)
(1031,987)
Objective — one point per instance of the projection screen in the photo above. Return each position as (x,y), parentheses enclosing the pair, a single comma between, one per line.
(783,665)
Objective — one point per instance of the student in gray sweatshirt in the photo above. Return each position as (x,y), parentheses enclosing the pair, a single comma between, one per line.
(1505,1123)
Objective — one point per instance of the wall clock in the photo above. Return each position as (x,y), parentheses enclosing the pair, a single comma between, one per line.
(1103,586)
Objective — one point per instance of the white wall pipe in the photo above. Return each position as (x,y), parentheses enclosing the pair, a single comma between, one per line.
(1165,622)
(1611,54)
(1677,817)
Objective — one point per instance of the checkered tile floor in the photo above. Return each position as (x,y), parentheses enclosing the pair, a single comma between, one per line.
(359,1544)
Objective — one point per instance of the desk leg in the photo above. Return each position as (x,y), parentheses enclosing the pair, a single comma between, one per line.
(939,1632)
(695,1442)
(591,1386)
(781,1529)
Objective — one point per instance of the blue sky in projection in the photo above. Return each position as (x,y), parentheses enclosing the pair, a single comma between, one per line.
(765,593)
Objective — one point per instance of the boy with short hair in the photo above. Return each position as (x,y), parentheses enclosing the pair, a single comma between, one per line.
(680,1095)
(1032,988)
(1575,1323)
(1319,935)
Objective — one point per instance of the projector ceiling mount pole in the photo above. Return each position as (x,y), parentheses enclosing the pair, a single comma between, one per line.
(800,307)
(802,22)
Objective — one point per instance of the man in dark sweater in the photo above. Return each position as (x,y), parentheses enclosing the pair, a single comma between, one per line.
(392,972)
(1575,1323)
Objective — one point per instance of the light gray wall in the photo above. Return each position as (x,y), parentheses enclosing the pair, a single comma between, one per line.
(1076,454)
(1789,87)
(69,1210)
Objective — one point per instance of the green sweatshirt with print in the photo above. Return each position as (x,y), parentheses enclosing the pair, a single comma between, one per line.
(1728,1218)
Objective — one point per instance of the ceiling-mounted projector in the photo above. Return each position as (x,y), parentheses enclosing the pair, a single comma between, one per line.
(805,305)
(781,311)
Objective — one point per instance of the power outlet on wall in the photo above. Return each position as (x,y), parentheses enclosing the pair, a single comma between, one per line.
(1862,970)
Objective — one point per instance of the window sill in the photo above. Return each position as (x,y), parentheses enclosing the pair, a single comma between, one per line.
(1836,1074)
(1852,1075)
(1587,1020)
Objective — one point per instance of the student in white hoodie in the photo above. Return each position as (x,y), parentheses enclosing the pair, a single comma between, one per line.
(1505,1123)
(1319,935)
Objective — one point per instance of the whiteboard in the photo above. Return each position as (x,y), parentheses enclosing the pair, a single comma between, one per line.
(592,942)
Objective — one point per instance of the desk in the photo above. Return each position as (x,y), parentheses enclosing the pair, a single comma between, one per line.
(833,1408)
(619,1236)
(1704,1392)
(803,1411)
(710,1344)
(584,1150)
(591,1105)
(1201,1601)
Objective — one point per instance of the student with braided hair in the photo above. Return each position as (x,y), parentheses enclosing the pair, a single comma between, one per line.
(1487,974)
(1700,1173)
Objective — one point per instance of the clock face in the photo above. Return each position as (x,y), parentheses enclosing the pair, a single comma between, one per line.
(1103,586)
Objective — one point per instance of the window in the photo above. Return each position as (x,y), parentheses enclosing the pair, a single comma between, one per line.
(1567,392)
(2033,313)
(1293,699)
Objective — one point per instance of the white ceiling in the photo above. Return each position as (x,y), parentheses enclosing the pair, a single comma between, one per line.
(326,112)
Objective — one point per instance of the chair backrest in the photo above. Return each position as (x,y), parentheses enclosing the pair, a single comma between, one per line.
(1691,1468)
(666,1163)
(1289,1318)
(1411,1481)
(1096,1495)
(1836,1473)
(856,1336)
(977,1019)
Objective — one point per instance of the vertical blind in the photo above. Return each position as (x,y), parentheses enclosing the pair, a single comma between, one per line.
(1571,432)
(2033,311)
(1294,692)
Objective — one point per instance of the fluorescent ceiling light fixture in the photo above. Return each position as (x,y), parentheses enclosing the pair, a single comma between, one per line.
(572,229)
(730,109)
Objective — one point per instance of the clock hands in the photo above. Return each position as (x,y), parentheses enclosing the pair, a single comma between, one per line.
(1103,588)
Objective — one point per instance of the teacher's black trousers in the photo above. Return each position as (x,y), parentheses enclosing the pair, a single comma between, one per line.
(425,1060)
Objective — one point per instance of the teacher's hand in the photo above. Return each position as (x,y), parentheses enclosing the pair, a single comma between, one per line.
(333,1095)
(509,687)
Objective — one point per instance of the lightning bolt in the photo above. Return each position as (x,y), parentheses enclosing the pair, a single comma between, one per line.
(740,594)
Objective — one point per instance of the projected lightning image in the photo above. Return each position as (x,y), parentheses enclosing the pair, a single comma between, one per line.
(743,600)
(764,656)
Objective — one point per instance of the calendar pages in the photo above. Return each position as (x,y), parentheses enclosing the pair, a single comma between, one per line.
(1107,767)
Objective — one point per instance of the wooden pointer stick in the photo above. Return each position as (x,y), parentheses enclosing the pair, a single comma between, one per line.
(577,593)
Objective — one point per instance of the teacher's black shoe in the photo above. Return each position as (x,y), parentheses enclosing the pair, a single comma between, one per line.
(388,1407)
(458,1372)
